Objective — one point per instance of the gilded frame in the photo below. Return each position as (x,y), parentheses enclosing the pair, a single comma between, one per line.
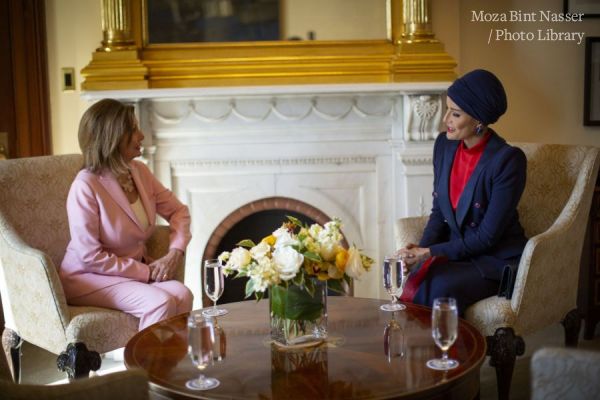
(269,63)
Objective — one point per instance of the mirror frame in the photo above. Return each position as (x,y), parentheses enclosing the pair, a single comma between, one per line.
(187,65)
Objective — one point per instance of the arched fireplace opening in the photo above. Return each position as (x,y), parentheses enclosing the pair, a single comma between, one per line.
(254,221)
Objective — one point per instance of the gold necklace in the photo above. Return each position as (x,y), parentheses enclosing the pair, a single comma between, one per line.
(126,182)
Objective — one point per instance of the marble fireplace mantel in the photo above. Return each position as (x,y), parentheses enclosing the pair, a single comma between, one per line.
(360,152)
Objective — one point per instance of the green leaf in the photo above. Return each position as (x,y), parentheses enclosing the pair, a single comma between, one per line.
(277,296)
(348,279)
(310,286)
(295,303)
(298,280)
(246,243)
(312,256)
(295,221)
(335,285)
(249,288)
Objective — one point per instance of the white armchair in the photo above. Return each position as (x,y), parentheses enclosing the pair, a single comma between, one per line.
(34,234)
(553,210)
(565,374)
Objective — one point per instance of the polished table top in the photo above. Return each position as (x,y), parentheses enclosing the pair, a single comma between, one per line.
(355,363)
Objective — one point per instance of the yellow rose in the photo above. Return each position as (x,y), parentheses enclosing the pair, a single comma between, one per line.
(270,240)
(341,258)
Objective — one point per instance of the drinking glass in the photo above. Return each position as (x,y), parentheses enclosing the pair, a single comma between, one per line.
(214,283)
(394,278)
(393,340)
(444,329)
(201,345)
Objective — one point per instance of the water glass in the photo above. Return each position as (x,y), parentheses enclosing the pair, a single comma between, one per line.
(214,284)
(394,279)
(201,346)
(444,329)
(393,340)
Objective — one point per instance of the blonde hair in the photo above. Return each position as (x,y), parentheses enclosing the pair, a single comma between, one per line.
(102,128)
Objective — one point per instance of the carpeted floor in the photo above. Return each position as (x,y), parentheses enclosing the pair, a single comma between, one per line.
(39,366)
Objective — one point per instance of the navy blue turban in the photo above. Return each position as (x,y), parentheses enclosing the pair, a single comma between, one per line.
(480,94)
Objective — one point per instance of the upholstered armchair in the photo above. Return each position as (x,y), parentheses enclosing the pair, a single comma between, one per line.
(565,374)
(131,385)
(553,210)
(34,234)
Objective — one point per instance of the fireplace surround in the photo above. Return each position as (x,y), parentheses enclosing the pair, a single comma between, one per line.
(359,152)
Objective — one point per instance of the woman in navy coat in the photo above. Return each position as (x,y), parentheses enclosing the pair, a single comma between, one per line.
(473,231)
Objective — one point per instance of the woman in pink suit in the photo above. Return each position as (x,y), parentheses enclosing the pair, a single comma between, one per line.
(112,207)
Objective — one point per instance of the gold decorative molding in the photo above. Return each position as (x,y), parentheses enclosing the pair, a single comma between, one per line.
(411,54)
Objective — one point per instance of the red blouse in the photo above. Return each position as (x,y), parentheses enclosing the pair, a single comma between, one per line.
(465,161)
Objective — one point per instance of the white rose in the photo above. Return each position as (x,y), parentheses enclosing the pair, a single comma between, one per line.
(284,238)
(314,230)
(288,262)
(260,250)
(354,267)
(328,251)
(240,257)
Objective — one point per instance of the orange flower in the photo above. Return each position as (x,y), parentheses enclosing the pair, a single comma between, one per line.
(341,258)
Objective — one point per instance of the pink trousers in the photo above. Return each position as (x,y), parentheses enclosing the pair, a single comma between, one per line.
(150,302)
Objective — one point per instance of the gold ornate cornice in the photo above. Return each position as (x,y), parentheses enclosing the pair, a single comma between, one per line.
(126,61)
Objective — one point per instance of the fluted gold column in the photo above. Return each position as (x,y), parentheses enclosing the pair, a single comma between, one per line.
(116,64)
(416,22)
(116,25)
(419,55)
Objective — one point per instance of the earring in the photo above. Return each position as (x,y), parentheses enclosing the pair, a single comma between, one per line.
(479,129)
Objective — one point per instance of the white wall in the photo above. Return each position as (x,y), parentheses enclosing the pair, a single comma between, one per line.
(74,31)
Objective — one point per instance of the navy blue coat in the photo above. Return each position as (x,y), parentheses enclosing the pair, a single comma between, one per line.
(485,228)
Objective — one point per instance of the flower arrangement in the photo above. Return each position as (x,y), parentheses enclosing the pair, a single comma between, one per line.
(293,254)
(297,263)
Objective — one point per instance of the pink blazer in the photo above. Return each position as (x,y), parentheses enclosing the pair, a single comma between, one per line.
(107,243)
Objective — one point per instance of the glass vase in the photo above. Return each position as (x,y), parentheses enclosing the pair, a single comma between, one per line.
(298,314)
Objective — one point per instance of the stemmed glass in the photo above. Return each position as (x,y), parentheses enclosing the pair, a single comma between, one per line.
(214,284)
(394,279)
(393,340)
(444,329)
(201,345)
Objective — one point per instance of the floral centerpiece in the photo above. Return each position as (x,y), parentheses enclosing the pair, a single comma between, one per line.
(297,263)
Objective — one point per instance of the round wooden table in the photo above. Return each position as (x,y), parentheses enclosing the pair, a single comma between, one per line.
(355,363)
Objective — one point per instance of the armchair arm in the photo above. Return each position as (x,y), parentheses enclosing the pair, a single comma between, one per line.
(130,384)
(32,294)
(158,245)
(409,230)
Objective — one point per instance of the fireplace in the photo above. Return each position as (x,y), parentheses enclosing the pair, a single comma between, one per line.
(359,152)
